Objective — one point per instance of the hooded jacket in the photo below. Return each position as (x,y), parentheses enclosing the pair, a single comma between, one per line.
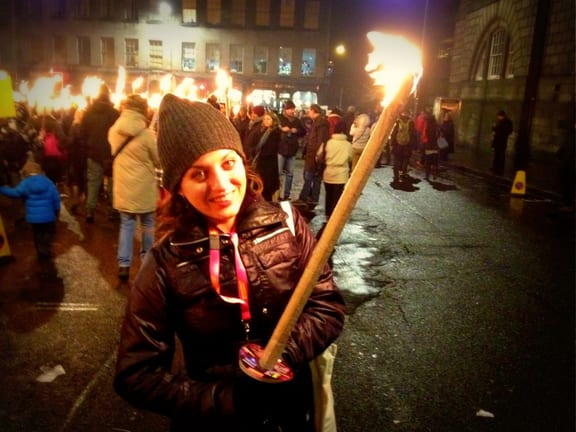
(41,198)
(360,131)
(173,294)
(135,188)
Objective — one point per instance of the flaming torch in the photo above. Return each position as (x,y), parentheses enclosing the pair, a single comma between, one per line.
(394,64)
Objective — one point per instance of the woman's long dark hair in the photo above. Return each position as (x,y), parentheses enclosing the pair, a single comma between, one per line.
(175,212)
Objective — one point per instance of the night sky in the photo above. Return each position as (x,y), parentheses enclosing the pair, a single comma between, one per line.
(352,20)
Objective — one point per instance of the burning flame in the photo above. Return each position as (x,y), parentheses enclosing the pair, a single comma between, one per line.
(137,83)
(391,62)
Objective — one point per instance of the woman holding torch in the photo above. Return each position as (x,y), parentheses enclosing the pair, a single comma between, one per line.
(220,274)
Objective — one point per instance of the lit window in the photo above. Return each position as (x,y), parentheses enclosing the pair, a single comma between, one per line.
(131,52)
(287,13)
(188,56)
(498,44)
(214,12)
(84,54)
(260,60)
(285,61)
(212,57)
(262,12)
(308,61)
(237,58)
(156,59)
(189,11)
(108,54)
(312,15)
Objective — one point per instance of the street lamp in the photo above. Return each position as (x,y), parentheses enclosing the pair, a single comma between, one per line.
(340,51)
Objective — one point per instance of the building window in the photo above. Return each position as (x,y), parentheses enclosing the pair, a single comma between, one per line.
(212,57)
(188,56)
(108,52)
(59,50)
(130,11)
(82,9)
(497,58)
(214,12)
(131,52)
(35,50)
(312,15)
(237,58)
(285,61)
(262,12)
(260,60)
(106,8)
(238,13)
(188,11)
(308,61)
(480,69)
(287,13)
(60,9)
(84,54)
(156,58)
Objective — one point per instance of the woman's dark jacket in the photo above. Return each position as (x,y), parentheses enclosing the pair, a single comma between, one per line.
(172,294)
(265,158)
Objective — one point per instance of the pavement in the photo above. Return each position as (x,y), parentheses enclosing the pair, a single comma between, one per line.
(541,172)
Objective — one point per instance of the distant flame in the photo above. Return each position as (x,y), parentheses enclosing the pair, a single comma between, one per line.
(391,62)
(137,83)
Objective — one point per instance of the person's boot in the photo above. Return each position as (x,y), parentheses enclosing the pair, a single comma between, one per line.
(123,273)
(75,200)
(90,216)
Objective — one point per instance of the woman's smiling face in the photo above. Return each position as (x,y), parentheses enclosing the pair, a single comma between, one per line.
(215,185)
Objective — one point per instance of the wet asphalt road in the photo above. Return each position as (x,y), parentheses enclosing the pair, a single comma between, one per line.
(460,316)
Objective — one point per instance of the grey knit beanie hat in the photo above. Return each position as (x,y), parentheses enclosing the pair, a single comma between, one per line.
(186,131)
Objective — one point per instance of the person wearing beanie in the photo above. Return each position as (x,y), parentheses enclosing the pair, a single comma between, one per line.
(135,189)
(221,272)
(42,203)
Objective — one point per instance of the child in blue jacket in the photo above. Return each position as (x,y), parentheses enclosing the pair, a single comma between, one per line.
(42,202)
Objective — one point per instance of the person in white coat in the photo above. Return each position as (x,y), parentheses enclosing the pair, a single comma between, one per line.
(360,133)
(338,159)
(135,190)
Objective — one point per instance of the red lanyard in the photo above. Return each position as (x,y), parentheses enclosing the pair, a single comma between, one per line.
(241,276)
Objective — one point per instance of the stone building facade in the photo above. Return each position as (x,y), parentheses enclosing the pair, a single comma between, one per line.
(277,48)
(516,56)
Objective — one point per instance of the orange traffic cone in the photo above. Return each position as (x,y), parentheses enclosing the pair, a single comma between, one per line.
(519,185)
(5,254)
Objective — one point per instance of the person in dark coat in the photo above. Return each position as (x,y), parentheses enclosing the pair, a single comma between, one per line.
(42,202)
(262,144)
(224,266)
(501,130)
(292,130)
(98,118)
(313,168)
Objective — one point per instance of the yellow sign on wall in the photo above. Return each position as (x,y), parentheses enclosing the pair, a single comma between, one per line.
(7,108)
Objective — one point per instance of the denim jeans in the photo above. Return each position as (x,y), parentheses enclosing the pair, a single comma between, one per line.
(94,178)
(126,237)
(286,169)
(311,189)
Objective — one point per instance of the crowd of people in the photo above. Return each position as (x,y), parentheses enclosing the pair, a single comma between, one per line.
(108,154)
